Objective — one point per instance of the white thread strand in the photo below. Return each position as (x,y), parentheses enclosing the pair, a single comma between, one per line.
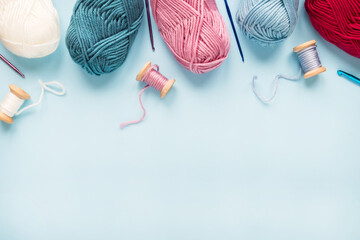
(47,87)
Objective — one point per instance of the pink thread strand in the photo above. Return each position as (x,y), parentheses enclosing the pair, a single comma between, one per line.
(143,108)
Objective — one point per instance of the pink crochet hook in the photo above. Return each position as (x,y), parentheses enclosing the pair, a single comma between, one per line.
(149,23)
(11,65)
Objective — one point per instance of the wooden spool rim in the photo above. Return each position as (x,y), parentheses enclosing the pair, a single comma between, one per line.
(19,92)
(143,71)
(6,119)
(304,46)
(314,72)
(167,88)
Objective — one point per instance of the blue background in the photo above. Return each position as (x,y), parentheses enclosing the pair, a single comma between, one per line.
(209,161)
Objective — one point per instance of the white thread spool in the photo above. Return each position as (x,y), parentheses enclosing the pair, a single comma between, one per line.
(318,68)
(12,103)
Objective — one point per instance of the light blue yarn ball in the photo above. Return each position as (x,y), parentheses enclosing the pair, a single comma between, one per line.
(101,33)
(268,22)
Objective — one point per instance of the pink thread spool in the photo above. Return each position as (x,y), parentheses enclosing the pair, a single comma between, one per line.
(150,75)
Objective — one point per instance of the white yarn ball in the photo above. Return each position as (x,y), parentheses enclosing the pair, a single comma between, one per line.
(29,28)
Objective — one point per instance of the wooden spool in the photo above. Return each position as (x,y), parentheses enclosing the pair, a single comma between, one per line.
(166,88)
(314,72)
(20,94)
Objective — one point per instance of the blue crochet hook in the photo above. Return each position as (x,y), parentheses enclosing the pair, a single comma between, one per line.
(234,29)
(349,76)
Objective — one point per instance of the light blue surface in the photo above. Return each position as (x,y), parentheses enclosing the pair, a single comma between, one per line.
(209,162)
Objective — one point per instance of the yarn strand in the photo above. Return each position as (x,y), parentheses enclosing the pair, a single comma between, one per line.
(123,125)
(48,87)
(276,85)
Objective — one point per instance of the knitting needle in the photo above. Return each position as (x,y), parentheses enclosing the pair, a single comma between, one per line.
(349,76)
(149,23)
(11,65)
(234,29)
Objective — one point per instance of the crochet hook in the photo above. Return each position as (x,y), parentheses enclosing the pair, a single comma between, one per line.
(234,29)
(11,65)
(149,24)
(349,76)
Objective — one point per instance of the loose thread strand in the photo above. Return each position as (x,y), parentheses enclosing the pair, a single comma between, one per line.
(276,85)
(44,86)
(123,125)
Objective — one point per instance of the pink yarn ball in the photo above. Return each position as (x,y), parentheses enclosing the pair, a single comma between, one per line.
(194,31)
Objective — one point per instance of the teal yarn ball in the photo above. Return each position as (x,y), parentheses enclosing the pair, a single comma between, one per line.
(101,33)
(268,22)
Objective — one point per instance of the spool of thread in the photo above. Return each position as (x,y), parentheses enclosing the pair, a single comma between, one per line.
(268,22)
(194,31)
(150,75)
(101,33)
(13,101)
(309,59)
(29,28)
(310,64)
(338,22)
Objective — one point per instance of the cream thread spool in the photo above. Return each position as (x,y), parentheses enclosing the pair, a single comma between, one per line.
(309,59)
(12,103)
(165,88)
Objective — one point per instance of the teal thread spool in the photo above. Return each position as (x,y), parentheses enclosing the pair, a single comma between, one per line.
(101,33)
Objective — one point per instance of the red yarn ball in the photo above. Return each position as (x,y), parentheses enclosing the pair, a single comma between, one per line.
(338,21)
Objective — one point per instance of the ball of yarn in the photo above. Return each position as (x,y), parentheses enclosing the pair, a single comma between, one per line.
(29,28)
(194,31)
(101,33)
(268,22)
(338,21)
